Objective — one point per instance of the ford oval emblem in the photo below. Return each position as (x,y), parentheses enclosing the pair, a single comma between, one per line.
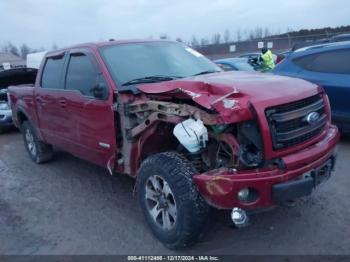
(312,117)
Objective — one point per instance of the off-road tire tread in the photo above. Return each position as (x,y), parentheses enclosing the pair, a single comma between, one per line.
(178,172)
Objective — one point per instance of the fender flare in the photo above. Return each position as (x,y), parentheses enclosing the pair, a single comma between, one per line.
(21,110)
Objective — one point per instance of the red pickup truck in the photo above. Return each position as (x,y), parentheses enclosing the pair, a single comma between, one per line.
(192,135)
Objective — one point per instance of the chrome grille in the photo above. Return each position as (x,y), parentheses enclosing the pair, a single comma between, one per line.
(289,124)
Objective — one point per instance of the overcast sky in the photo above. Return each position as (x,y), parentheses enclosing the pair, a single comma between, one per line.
(40,23)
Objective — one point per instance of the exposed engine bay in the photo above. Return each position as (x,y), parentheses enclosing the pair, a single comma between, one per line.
(194,132)
(17,76)
(230,146)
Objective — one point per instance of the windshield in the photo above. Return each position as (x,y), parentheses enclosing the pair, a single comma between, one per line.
(127,62)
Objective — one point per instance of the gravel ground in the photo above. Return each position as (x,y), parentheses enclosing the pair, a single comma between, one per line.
(69,206)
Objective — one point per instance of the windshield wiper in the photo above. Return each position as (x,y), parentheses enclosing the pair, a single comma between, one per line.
(150,79)
(206,72)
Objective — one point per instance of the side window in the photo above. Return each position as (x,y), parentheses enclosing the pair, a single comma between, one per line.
(81,74)
(305,62)
(51,77)
(336,62)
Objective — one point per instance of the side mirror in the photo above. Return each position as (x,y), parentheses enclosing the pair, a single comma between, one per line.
(100,91)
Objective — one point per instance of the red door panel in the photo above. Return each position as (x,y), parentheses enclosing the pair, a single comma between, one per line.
(92,118)
(54,119)
(94,125)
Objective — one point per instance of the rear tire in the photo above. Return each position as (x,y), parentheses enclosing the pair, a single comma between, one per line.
(171,203)
(38,151)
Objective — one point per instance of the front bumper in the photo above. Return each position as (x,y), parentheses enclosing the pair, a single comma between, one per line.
(220,187)
(5,118)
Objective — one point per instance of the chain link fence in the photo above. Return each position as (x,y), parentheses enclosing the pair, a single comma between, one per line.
(277,44)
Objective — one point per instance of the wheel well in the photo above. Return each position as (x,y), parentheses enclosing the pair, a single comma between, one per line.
(160,141)
(21,117)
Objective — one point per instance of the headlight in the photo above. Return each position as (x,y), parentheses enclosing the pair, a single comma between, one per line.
(250,155)
(4,106)
(251,144)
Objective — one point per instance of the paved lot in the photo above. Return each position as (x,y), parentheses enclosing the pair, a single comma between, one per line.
(69,206)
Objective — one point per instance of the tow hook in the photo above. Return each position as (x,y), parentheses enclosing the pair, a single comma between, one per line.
(239,217)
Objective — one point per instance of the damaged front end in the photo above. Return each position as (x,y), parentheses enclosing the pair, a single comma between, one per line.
(213,133)
(221,133)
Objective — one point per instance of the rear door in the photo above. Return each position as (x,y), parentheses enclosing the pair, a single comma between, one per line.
(54,120)
(331,70)
(93,118)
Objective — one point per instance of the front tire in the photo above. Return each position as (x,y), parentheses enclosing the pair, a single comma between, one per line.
(38,151)
(171,203)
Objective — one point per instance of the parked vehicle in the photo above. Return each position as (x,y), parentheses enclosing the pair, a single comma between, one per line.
(234,64)
(327,65)
(9,77)
(192,135)
(335,38)
(282,56)
(309,43)
(340,38)
(250,55)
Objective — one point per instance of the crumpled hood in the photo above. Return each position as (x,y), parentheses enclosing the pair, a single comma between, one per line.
(230,91)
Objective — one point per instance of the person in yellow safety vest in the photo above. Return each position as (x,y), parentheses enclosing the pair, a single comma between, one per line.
(267,59)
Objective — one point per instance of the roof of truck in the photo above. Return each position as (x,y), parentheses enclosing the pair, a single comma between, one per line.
(108,43)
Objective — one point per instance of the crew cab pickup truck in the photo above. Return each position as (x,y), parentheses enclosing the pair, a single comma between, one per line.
(191,135)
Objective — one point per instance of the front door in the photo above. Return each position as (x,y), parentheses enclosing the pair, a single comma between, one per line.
(331,70)
(92,118)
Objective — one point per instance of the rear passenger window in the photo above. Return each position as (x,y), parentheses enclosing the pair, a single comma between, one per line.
(336,62)
(81,74)
(52,73)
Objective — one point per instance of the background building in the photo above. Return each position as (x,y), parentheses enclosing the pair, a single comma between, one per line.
(10,60)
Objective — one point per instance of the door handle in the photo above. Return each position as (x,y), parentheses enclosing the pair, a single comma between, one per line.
(40,101)
(63,103)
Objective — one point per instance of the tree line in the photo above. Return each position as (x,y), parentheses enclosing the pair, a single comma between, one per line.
(229,36)
(22,50)
(258,33)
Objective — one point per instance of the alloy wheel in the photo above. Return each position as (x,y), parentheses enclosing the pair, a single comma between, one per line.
(161,203)
(30,142)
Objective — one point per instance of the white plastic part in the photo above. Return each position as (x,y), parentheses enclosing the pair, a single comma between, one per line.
(192,134)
